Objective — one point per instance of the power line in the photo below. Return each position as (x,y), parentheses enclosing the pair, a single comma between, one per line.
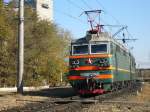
(69,15)
(72,3)
(129,33)
(100,4)
(84,2)
(117,21)
(77,6)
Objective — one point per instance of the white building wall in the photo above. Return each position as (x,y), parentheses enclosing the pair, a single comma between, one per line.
(44,9)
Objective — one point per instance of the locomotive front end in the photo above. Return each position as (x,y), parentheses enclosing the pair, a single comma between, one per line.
(90,67)
(98,62)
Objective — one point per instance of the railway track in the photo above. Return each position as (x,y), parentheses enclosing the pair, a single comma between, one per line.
(76,103)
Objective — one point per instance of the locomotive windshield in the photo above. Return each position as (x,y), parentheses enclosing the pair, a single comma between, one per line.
(99,48)
(80,49)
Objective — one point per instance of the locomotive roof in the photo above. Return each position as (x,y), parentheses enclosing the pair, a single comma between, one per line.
(98,37)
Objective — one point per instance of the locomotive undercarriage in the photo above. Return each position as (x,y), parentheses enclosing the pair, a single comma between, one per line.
(92,86)
(123,84)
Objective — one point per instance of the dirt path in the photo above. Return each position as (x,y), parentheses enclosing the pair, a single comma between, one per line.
(137,103)
(13,100)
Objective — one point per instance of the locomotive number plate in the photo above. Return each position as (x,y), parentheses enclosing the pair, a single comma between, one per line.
(89,74)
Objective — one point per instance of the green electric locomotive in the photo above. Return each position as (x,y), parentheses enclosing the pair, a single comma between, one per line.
(98,63)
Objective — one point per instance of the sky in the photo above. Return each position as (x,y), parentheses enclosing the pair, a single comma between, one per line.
(133,13)
(6,1)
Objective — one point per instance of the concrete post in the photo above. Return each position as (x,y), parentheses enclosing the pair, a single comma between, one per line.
(20,48)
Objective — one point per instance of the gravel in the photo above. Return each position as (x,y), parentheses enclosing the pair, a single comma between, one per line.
(41,101)
(128,103)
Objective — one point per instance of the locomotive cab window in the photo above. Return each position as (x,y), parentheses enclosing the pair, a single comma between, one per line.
(80,49)
(99,48)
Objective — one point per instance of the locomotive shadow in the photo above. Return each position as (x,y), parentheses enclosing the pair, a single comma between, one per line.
(53,92)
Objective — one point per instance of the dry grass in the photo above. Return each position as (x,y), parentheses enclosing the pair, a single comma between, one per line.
(9,101)
(144,95)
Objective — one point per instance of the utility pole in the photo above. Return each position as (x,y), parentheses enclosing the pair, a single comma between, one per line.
(61,78)
(20,66)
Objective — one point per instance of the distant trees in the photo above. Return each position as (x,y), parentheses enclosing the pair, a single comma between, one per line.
(7,65)
(46,46)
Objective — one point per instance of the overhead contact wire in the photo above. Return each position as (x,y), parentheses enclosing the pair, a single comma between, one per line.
(84,2)
(117,21)
(72,3)
(68,15)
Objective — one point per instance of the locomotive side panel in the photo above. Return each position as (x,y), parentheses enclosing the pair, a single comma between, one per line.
(123,65)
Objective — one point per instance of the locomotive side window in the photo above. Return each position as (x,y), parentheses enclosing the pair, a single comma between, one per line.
(99,48)
(80,49)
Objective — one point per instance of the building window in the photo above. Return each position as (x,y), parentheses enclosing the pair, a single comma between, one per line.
(46,6)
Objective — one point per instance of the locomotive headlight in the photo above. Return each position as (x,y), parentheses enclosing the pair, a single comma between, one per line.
(74,63)
(104,62)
